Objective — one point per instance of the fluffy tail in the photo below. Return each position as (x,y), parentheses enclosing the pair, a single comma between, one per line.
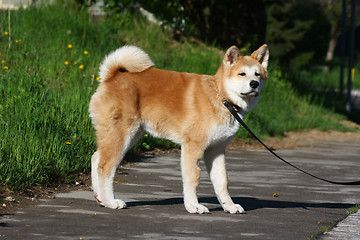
(124,59)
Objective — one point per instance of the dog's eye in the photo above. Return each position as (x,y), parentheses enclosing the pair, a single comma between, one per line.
(242,74)
(257,74)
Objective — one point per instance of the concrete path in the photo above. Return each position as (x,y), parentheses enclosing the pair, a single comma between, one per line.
(152,189)
(348,229)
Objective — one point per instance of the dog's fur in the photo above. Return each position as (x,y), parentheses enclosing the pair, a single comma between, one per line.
(187,108)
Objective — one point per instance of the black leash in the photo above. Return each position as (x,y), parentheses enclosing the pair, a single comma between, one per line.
(234,111)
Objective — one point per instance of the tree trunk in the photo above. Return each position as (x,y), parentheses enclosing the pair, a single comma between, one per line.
(332,42)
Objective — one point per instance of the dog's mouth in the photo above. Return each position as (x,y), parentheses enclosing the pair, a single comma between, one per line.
(250,94)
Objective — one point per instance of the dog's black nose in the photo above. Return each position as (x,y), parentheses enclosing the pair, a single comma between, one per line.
(254,84)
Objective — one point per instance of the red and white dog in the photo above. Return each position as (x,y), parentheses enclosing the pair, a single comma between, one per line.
(186,108)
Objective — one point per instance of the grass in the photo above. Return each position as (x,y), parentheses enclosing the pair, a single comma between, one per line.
(353,209)
(330,79)
(48,73)
(323,229)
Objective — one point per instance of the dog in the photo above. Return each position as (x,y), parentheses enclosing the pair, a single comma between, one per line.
(133,96)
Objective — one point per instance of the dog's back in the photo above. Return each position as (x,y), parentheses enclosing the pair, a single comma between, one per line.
(165,103)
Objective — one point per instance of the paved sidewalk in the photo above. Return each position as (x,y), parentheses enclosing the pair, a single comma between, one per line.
(348,229)
(155,210)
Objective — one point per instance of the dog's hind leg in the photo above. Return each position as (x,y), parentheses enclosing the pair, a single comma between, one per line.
(190,156)
(105,161)
(214,158)
(95,176)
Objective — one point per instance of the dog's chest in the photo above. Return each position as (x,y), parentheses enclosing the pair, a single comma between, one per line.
(220,133)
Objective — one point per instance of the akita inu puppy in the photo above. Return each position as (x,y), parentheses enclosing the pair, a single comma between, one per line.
(186,108)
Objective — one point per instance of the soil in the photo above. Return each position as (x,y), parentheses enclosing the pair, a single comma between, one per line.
(11,200)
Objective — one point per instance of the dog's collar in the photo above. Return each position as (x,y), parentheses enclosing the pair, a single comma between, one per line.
(229,103)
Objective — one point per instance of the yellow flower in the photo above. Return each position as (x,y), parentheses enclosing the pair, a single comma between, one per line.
(81,66)
(98,78)
(86,52)
(66,62)
(276,195)
(75,63)
(6,33)
(6,67)
(69,46)
(68,143)
(2,61)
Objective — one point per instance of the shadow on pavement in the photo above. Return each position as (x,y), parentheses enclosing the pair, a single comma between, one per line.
(248,203)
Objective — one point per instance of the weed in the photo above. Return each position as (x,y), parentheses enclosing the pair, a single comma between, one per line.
(310,238)
(324,229)
(353,209)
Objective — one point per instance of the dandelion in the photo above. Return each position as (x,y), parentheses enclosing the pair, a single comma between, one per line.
(2,61)
(69,46)
(6,67)
(6,33)
(81,66)
(66,62)
(98,78)
(75,63)
(68,143)
(86,52)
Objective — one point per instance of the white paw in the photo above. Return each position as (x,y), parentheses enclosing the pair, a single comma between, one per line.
(97,197)
(233,208)
(114,204)
(196,208)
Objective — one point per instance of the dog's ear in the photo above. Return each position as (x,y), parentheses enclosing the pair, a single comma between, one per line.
(262,55)
(231,56)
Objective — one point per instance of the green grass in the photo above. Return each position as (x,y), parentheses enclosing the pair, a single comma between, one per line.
(329,79)
(45,87)
(353,209)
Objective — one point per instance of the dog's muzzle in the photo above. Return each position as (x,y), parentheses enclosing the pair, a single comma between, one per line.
(250,94)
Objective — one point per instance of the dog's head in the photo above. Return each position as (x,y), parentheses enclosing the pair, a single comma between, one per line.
(243,77)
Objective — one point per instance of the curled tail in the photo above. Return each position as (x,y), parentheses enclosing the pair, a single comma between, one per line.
(124,59)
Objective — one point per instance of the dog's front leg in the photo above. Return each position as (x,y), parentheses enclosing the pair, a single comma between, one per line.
(190,156)
(215,163)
